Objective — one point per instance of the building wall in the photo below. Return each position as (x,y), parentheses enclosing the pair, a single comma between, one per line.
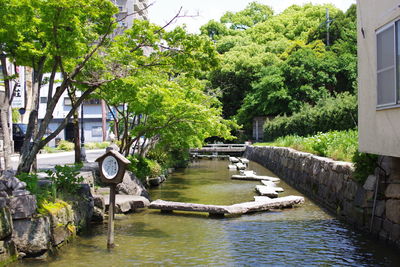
(379,130)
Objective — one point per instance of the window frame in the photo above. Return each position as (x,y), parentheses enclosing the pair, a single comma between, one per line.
(396,66)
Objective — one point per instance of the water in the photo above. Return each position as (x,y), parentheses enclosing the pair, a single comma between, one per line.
(304,236)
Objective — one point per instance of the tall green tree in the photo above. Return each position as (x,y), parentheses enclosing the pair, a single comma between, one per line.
(52,36)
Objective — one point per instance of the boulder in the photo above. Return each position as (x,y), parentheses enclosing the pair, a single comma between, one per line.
(5,223)
(127,203)
(393,191)
(83,206)
(23,206)
(99,208)
(370,183)
(393,210)
(62,223)
(32,236)
(132,186)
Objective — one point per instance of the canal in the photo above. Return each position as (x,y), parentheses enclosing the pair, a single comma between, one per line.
(303,236)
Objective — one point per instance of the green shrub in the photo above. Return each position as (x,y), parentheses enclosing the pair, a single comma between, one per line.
(49,149)
(65,145)
(143,167)
(338,145)
(42,194)
(97,145)
(364,165)
(333,113)
(65,179)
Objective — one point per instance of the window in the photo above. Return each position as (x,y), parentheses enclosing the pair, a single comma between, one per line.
(97,131)
(388,65)
(92,102)
(67,101)
(43,99)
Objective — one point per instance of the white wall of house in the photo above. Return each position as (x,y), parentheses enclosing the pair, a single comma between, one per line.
(379,120)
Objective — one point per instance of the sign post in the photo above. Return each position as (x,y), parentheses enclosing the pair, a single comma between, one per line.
(112,170)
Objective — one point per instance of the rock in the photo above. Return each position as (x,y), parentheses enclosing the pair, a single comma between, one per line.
(62,224)
(82,205)
(132,186)
(380,208)
(4,201)
(98,215)
(7,174)
(32,236)
(20,192)
(13,183)
(23,207)
(266,191)
(233,159)
(88,178)
(393,191)
(99,202)
(3,186)
(393,210)
(5,223)
(240,166)
(370,183)
(232,167)
(127,203)
(20,186)
(155,181)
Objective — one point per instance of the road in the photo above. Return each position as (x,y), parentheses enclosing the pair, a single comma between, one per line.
(49,160)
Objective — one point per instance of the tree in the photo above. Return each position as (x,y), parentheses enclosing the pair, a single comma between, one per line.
(9,84)
(53,36)
(254,13)
(278,64)
(161,101)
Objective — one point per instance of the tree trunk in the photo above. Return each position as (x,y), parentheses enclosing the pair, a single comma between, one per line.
(77,140)
(6,135)
(4,115)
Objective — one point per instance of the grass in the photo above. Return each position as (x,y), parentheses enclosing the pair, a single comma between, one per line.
(338,145)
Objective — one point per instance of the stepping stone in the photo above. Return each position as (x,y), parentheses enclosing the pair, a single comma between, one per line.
(266,191)
(255,178)
(233,159)
(268,183)
(244,161)
(261,198)
(247,173)
(240,166)
(232,167)
(127,203)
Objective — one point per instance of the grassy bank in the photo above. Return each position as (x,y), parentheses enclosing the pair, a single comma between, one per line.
(338,145)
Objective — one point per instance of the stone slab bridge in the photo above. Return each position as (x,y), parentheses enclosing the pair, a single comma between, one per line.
(217,150)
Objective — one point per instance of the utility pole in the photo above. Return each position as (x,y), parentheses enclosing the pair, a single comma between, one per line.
(328,22)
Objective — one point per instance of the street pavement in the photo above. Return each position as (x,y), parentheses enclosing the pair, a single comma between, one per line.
(49,160)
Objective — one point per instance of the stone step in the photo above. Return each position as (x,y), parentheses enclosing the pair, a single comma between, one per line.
(127,203)
(255,178)
(266,191)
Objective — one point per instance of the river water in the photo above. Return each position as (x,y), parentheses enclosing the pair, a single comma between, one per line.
(303,236)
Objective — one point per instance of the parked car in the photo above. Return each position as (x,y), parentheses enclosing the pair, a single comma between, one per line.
(19,132)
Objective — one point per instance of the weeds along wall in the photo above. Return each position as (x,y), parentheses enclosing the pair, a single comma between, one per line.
(372,207)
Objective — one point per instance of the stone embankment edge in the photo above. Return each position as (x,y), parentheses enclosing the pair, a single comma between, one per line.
(372,207)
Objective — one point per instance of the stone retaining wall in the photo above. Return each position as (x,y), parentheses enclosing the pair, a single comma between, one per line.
(329,183)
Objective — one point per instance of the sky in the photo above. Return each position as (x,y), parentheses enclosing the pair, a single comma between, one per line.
(162,11)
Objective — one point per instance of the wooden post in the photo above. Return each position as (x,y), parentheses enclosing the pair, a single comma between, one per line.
(111,208)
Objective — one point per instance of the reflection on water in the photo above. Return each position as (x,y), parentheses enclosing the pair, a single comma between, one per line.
(302,236)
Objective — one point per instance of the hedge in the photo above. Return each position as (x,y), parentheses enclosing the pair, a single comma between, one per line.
(329,114)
